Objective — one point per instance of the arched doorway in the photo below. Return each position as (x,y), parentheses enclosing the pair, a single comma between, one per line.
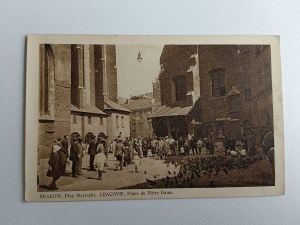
(88,137)
(179,129)
(246,128)
(101,135)
(161,129)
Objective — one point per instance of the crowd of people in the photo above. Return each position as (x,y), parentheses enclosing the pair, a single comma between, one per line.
(131,150)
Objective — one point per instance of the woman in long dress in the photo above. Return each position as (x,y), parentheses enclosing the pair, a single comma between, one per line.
(56,163)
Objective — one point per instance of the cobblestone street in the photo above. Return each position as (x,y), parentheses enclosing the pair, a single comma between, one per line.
(155,169)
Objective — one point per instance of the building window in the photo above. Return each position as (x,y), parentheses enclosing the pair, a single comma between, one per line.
(218,82)
(101,120)
(117,121)
(220,129)
(44,81)
(133,127)
(267,72)
(180,88)
(122,121)
(89,120)
(248,94)
(74,119)
(74,76)
(99,75)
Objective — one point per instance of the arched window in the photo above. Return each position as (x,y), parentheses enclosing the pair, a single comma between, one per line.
(180,88)
(46,74)
(122,121)
(218,82)
(117,121)
(44,81)
(75,98)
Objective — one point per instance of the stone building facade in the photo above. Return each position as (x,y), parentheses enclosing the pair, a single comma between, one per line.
(215,90)
(179,90)
(140,109)
(76,84)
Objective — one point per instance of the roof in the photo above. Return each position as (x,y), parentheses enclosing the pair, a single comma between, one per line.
(166,111)
(110,105)
(133,105)
(88,109)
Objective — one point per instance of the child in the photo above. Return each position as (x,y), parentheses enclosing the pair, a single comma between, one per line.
(100,160)
(137,161)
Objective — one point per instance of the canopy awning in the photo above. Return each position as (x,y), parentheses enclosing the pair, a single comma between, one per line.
(166,111)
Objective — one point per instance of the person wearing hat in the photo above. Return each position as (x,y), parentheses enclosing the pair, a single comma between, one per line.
(81,155)
(55,163)
(120,151)
(92,152)
(74,157)
(65,147)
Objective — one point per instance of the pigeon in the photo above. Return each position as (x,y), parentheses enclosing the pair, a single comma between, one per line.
(192,176)
(151,182)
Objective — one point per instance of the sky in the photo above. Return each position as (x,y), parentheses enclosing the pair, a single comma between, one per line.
(136,78)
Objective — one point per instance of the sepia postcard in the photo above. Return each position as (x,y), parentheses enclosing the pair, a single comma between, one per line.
(112,117)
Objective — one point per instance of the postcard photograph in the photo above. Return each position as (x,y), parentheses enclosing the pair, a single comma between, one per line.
(108,117)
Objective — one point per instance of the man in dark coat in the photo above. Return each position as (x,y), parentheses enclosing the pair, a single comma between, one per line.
(65,154)
(120,152)
(193,144)
(92,152)
(226,144)
(74,157)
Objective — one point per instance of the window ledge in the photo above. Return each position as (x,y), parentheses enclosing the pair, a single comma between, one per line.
(46,118)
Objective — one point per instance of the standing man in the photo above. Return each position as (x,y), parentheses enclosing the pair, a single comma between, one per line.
(65,152)
(106,150)
(172,144)
(199,145)
(193,144)
(92,152)
(81,155)
(74,157)
(120,151)
(251,143)
(226,144)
